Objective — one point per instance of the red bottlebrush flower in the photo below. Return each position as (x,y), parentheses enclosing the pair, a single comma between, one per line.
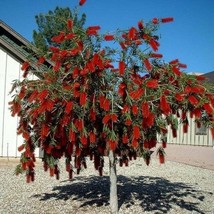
(145,109)
(25,66)
(84,140)
(113,117)
(135,143)
(161,158)
(138,42)
(26,135)
(41,60)
(184,115)
(106,104)
(121,89)
(147,64)
(174,62)
(187,89)
(112,145)
(174,132)
(150,120)
(164,105)
(83,98)
(128,122)
(155,21)
(22,93)
(69,24)
(20,148)
(197,112)
(92,137)
(72,135)
(91,66)
(92,115)
(185,127)
(176,71)
(192,99)
(154,44)
(57,66)
(32,97)
(146,144)
(180,65)
(94,28)
(152,83)
(179,97)
(79,123)
(68,107)
(125,109)
(59,38)
(45,130)
(212,102)
(164,144)
(106,119)
(197,89)
(132,33)
(135,95)
(200,78)
(48,104)
(74,51)
(42,95)
(136,132)
(122,67)
(168,19)
(51,171)
(75,72)
(140,25)
(125,139)
(91,32)
(109,37)
(156,55)
(134,110)
(122,45)
(82,2)
(207,107)
(69,36)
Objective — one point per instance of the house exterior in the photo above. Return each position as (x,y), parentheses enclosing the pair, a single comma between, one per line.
(13,53)
(195,136)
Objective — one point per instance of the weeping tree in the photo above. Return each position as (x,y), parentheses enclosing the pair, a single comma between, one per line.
(104,95)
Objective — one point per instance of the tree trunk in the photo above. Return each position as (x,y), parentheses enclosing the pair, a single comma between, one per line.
(113,183)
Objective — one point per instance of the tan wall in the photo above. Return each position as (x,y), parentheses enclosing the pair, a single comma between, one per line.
(10,70)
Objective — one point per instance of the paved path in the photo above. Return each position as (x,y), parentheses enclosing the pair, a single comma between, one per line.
(192,155)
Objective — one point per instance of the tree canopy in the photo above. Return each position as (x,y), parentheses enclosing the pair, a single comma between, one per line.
(96,98)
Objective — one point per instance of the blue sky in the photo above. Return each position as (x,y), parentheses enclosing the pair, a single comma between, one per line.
(190,38)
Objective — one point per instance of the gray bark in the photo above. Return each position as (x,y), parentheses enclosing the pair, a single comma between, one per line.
(113,183)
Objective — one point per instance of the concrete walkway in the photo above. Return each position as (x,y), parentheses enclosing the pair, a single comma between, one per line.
(192,155)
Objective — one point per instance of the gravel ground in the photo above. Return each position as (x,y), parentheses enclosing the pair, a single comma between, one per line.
(169,188)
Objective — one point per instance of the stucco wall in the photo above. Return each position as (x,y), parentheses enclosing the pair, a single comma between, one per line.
(10,70)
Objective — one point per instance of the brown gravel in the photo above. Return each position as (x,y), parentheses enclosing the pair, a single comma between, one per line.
(169,188)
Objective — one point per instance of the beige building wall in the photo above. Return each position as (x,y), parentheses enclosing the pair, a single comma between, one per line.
(10,70)
(193,137)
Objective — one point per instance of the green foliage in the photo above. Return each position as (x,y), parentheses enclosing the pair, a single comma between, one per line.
(51,24)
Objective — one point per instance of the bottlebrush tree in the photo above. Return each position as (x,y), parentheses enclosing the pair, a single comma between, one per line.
(105,95)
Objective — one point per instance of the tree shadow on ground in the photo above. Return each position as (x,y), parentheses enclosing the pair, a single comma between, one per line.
(152,193)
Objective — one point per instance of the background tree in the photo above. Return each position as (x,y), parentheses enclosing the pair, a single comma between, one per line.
(51,24)
(97,100)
